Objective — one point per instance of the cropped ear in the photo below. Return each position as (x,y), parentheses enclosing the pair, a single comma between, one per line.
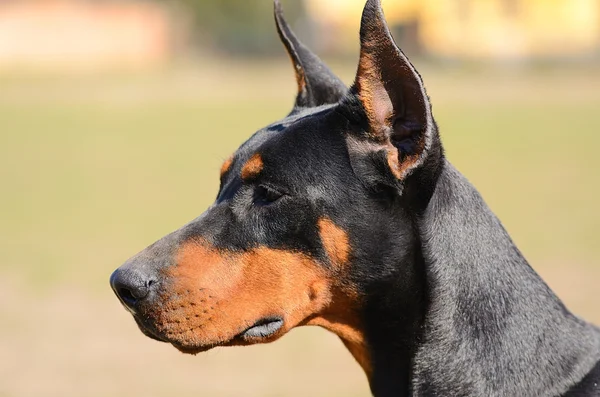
(317,85)
(392,95)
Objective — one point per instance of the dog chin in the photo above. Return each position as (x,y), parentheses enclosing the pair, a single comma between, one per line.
(193,350)
(263,331)
(148,331)
(187,349)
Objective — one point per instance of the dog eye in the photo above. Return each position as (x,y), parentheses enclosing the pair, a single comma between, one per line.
(264,195)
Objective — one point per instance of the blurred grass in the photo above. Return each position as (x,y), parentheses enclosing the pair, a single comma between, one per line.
(96,167)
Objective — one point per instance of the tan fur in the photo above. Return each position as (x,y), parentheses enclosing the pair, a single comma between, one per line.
(373,96)
(335,241)
(253,167)
(300,76)
(226,165)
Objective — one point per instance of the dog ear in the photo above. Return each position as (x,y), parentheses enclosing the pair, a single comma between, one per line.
(392,95)
(317,85)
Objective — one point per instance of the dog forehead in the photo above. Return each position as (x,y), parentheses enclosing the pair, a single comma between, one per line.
(292,127)
(300,114)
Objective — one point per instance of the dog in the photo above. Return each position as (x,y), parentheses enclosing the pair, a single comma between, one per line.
(345,214)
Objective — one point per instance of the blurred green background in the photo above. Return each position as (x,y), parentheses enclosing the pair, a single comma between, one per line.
(99,159)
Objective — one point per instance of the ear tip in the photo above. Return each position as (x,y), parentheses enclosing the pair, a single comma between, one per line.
(281,24)
(279,17)
(277,8)
(373,5)
(373,10)
(373,20)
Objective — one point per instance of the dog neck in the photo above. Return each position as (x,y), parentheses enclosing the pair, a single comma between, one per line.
(478,310)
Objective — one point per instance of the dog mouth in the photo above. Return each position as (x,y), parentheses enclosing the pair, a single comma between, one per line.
(261,330)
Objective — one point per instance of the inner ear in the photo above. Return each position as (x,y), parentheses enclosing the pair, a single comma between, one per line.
(392,95)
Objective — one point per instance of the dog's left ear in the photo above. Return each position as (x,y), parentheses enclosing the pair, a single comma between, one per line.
(392,95)
(317,85)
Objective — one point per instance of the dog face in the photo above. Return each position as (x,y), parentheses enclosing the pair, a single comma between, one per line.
(311,211)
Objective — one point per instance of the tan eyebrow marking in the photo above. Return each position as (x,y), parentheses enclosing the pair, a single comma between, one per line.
(226,165)
(253,167)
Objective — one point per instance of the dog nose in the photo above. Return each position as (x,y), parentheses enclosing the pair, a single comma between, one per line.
(131,286)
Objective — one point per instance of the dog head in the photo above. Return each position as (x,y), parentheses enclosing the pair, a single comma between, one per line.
(313,215)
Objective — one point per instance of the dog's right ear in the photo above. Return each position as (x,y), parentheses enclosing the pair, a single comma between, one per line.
(317,85)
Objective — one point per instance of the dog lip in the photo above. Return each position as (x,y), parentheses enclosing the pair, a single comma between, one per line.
(148,330)
(263,328)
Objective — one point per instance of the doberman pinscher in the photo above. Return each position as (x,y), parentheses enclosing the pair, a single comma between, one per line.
(346,214)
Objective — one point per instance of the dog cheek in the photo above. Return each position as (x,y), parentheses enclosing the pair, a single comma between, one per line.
(335,242)
(293,284)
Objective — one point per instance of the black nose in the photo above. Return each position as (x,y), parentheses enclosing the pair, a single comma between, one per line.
(131,286)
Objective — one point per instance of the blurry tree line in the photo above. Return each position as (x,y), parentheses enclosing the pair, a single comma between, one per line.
(243,27)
